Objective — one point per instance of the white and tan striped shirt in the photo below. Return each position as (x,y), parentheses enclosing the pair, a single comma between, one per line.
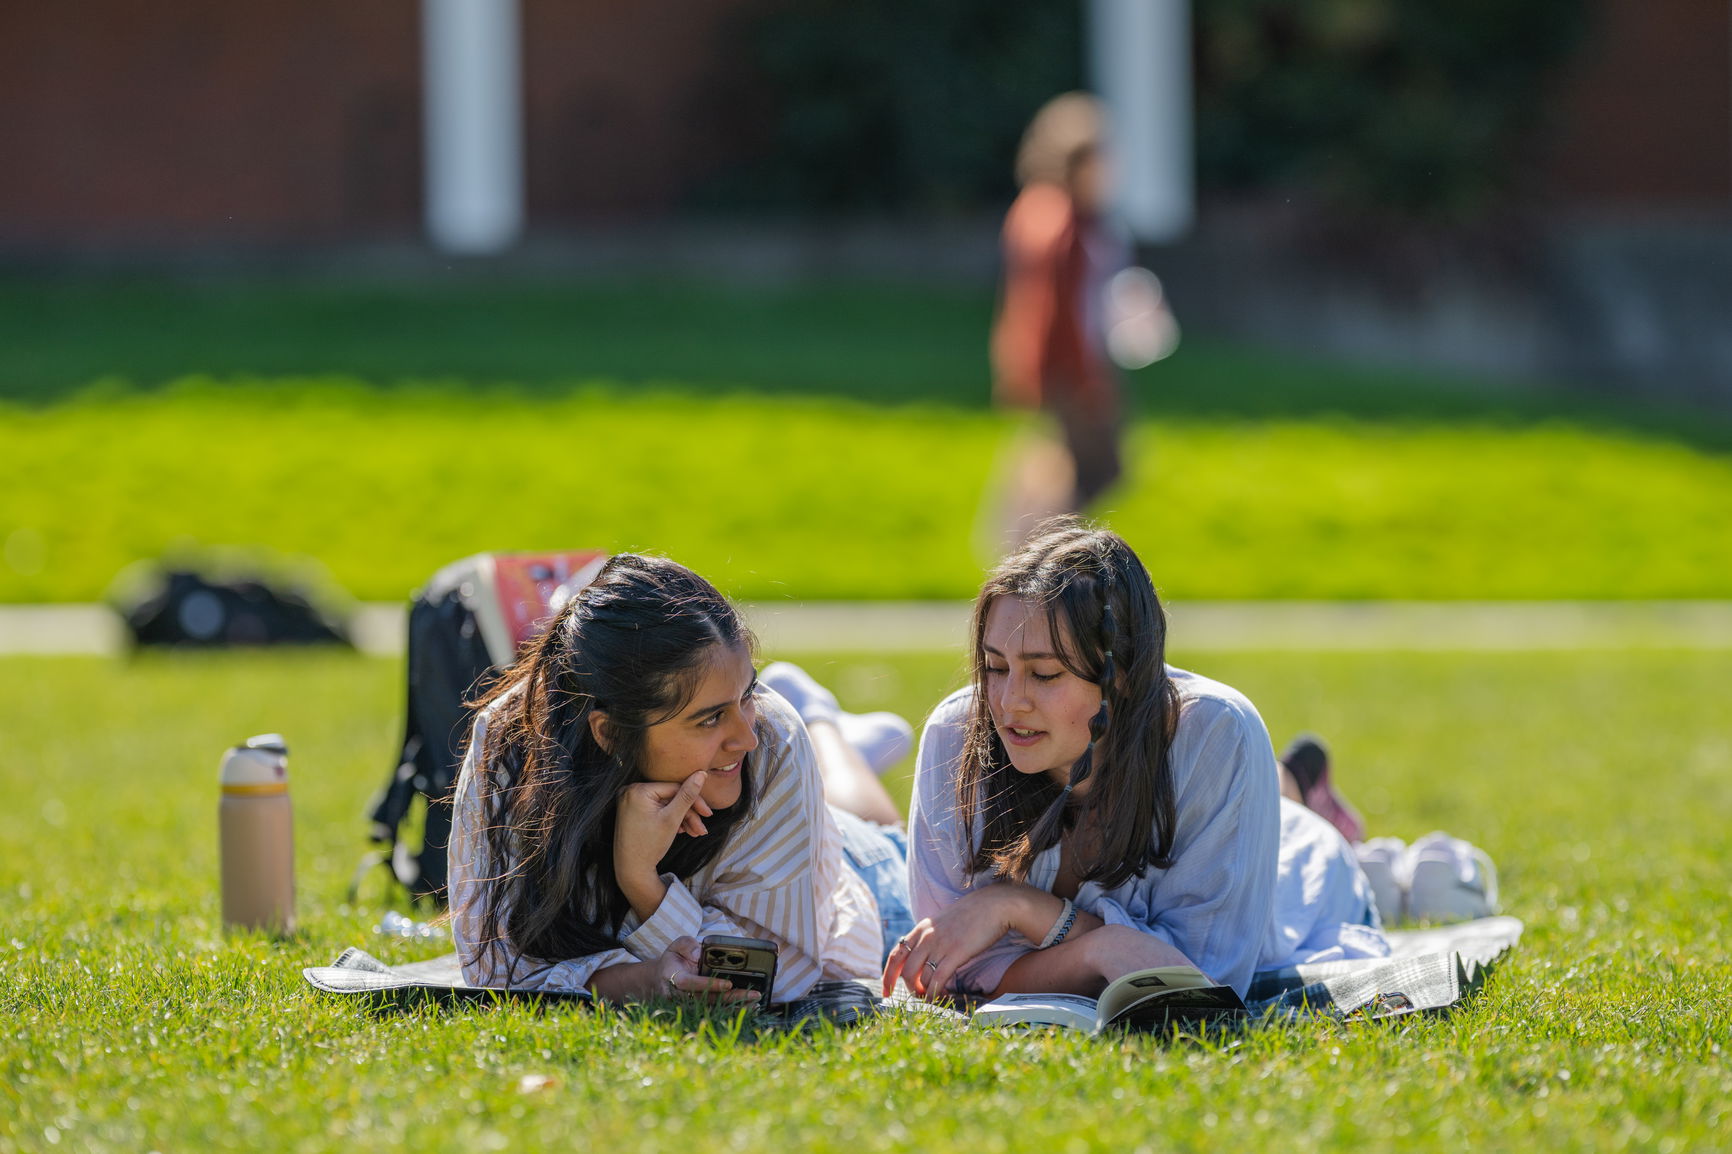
(780,876)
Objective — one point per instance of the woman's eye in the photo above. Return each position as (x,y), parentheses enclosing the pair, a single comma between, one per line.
(711,721)
(991,672)
(1047,676)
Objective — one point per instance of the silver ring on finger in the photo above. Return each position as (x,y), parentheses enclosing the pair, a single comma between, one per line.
(932,964)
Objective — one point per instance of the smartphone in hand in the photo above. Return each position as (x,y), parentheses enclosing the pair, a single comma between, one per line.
(749,963)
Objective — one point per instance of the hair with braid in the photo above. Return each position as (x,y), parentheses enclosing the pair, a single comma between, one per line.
(1108,626)
(634,644)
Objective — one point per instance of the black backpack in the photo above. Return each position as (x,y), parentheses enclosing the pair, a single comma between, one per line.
(184,608)
(464,626)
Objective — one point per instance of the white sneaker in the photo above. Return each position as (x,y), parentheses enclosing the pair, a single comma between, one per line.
(1383,860)
(810,700)
(883,738)
(1449,880)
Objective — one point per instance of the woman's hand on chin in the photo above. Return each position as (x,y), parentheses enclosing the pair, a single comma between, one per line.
(651,814)
(928,956)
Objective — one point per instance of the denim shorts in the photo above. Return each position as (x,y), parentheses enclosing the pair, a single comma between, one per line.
(879,854)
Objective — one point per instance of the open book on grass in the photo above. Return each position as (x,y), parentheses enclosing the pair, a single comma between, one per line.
(1146,1000)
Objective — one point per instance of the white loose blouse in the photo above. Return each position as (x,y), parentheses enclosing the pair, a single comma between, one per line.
(780,876)
(1256,881)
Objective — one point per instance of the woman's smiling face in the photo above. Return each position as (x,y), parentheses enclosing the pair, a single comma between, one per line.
(1040,709)
(713,731)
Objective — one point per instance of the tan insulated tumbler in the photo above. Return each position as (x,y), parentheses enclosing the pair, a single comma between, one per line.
(258,839)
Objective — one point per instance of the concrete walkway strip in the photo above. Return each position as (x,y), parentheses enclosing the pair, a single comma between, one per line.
(1196,626)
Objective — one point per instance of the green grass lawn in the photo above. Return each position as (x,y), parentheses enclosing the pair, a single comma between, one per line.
(825,497)
(1599,781)
(815,441)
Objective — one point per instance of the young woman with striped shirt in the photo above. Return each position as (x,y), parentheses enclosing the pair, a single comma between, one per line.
(629,789)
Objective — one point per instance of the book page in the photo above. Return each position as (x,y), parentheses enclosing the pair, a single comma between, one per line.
(1072,1010)
(1178,1006)
(1133,988)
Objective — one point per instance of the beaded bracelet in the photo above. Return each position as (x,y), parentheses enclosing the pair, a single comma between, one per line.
(1066,919)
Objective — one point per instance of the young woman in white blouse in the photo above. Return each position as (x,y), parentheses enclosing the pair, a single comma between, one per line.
(629,790)
(1083,810)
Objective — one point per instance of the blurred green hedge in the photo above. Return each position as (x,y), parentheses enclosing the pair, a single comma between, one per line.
(1408,107)
(1412,108)
(899,105)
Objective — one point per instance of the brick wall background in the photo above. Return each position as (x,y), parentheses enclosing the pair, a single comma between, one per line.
(211,123)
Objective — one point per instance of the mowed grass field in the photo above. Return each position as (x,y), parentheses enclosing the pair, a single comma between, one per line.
(825,442)
(1600,781)
(819,441)
(830,498)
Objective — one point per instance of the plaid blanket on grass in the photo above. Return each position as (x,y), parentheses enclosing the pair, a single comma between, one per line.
(1430,970)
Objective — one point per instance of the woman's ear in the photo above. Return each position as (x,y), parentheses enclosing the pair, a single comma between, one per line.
(598,729)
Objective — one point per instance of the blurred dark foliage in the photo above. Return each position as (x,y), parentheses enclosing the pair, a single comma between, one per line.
(1409,107)
(898,105)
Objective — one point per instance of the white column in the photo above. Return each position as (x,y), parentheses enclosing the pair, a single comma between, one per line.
(1140,58)
(471,91)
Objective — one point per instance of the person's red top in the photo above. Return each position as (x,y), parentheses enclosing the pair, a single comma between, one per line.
(1041,356)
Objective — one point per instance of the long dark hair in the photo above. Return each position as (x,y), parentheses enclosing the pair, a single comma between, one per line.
(1108,625)
(634,644)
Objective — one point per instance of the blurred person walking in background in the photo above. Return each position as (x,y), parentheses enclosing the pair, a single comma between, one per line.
(1062,293)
